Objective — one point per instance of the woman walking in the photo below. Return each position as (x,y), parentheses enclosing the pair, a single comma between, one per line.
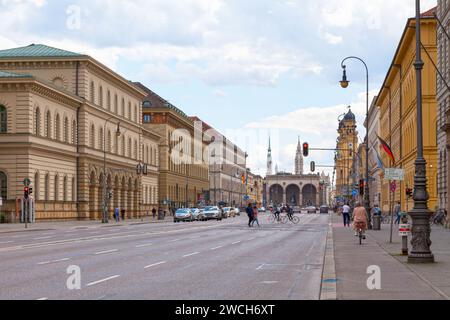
(255,216)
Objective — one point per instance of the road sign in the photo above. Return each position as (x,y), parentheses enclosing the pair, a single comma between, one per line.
(26,182)
(246,198)
(405,230)
(394,174)
(393,187)
(355,193)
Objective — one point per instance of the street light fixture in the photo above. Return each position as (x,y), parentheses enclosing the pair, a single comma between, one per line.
(421,230)
(105,193)
(344,84)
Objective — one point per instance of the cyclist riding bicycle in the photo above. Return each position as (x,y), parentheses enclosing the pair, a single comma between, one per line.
(290,212)
(276,212)
(360,219)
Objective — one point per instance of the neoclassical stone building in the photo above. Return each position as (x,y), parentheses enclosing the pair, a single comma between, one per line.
(65,117)
(297,189)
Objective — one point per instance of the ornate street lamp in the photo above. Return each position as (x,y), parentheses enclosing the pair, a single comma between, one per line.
(421,230)
(344,84)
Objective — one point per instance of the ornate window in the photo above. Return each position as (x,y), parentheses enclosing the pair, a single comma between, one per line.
(58,128)
(92,93)
(47,187)
(56,195)
(116,104)
(92,137)
(108,100)
(65,189)
(100,96)
(3,119)
(100,139)
(66,130)
(48,125)
(3,185)
(37,184)
(74,132)
(37,122)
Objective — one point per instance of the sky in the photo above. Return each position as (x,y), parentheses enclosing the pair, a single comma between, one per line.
(249,68)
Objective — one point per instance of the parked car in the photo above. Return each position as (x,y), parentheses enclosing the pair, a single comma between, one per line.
(198,214)
(311,209)
(229,212)
(212,213)
(262,210)
(183,215)
(324,209)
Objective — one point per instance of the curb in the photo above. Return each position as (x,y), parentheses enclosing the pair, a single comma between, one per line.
(328,290)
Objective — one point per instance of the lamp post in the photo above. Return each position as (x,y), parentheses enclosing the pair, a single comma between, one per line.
(344,84)
(421,230)
(105,194)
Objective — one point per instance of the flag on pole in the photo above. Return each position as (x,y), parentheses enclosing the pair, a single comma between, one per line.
(387,149)
(378,159)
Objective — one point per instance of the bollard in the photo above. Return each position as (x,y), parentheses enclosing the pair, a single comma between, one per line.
(404,234)
(376,222)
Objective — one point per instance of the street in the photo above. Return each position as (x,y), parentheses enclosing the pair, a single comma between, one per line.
(189,261)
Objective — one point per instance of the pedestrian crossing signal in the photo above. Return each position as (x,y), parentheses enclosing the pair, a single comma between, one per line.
(361,187)
(313,166)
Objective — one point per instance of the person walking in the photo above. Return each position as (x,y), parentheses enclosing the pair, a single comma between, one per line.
(154,213)
(249,212)
(123,214)
(346,214)
(397,209)
(116,214)
(255,216)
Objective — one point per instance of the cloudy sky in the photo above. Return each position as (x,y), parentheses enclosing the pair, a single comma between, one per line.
(249,68)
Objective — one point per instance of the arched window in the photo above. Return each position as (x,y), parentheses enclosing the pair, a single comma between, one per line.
(56,187)
(108,100)
(108,141)
(37,185)
(100,139)
(74,132)
(37,122)
(100,96)
(123,146)
(92,93)
(135,149)
(74,189)
(3,185)
(65,189)
(92,136)
(116,144)
(129,147)
(3,119)
(66,130)
(135,113)
(48,125)
(58,128)
(116,104)
(47,187)
(123,107)
(129,110)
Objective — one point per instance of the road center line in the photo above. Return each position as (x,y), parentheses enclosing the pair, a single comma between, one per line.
(217,248)
(6,242)
(155,264)
(144,245)
(53,261)
(101,281)
(236,242)
(42,238)
(191,254)
(105,252)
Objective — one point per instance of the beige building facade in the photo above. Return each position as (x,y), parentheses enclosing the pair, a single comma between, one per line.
(68,117)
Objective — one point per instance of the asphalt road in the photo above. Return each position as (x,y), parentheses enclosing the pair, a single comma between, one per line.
(188,261)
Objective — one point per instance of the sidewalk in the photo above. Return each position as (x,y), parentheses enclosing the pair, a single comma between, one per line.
(64,225)
(399,280)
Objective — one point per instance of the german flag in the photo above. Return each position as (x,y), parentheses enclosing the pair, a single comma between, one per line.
(387,149)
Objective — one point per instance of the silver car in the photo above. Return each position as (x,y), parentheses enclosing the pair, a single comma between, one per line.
(198,214)
(183,215)
(212,213)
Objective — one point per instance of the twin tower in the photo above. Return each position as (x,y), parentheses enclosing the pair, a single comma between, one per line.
(298,160)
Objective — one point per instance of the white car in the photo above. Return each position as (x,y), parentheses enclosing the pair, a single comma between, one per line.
(212,213)
(183,215)
(230,212)
(198,214)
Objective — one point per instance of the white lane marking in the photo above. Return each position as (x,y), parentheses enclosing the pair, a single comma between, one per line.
(144,245)
(6,242)
(101,281)
(236,242)
(42,299)
(261,266)
(53,261)
(42,238)
(175,240)
(269,282)
(251,239)
(155,264)
(217,248)
(105,252)
(191,254)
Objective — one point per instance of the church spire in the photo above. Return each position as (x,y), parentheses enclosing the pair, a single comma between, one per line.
(269,159)
(299,159)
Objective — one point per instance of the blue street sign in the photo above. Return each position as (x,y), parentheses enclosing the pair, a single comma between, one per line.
(355,193)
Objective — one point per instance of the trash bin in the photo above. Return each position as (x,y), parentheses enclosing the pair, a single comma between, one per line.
(376,222)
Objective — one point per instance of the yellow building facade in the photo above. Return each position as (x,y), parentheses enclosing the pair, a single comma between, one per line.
(398,114)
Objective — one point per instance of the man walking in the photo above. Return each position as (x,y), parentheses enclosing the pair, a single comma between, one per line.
(116,214)
(397,209)
(249,212)
(154,213)
(346,214)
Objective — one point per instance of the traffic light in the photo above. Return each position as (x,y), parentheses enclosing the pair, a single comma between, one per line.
(306,149)
(409,192)
(361,187)
(30,191)
(313,166)
(26,193)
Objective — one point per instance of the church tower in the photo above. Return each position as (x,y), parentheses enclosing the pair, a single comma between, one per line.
(299,159)
(269,160)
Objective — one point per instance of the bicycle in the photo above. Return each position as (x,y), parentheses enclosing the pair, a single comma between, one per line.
(294,219)
(385,219)
(273,218)
(360,226)
(439,218)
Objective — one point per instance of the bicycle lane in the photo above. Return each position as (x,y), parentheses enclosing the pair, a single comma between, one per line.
(352,261)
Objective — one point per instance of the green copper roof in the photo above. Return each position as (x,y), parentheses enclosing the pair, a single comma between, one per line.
(35,51)
(4,74)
